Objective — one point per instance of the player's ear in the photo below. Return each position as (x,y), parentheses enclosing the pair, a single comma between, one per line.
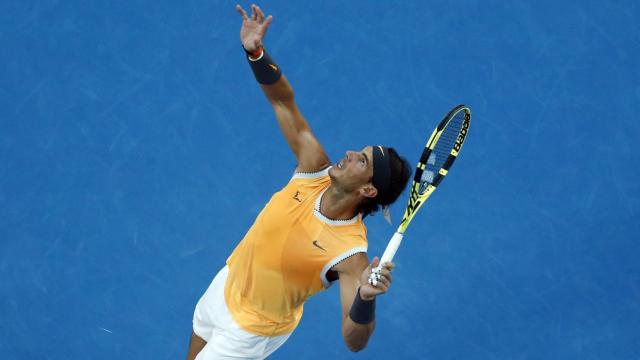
(369,191)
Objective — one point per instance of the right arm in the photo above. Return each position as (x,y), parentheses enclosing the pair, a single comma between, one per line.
(354,282)
(307,149)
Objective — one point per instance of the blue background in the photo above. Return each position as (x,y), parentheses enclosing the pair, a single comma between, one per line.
(136,149)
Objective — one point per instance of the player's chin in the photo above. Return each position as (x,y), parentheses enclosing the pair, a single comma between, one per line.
(335,172)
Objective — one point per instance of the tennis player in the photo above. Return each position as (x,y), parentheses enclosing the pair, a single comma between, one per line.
(308,236)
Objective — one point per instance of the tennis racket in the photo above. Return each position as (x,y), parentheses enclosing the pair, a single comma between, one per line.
(438,155)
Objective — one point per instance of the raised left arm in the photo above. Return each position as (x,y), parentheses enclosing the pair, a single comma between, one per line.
(297,132)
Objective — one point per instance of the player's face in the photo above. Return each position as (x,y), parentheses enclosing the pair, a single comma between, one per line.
(354,169)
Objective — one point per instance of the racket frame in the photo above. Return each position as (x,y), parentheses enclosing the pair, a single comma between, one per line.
(417,199)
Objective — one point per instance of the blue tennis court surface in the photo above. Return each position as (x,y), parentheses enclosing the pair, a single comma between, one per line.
(136,149)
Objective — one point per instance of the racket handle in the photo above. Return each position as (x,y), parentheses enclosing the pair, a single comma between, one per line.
(391,249)
(387,256)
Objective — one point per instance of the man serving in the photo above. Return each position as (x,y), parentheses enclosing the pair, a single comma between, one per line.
(309,235)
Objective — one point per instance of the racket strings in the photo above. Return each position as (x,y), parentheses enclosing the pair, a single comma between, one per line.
(445,144)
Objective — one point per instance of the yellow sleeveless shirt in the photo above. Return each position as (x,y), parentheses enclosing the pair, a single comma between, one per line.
(285,256)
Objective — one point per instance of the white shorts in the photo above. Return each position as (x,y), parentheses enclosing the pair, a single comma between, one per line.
(225,339)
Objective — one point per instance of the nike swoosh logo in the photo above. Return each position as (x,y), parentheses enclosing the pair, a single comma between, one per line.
(315,243)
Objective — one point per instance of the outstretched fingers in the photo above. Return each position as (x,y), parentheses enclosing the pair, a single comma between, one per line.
(265,24)
(254,13)
(242,13)
(261,18)
(259,15)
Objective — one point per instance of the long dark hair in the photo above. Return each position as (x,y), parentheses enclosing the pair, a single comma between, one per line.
(400,174)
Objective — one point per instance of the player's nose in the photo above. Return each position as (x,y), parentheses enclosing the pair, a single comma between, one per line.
(350,154)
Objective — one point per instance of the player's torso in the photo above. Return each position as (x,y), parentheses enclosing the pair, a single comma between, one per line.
(294,241)
(284,256)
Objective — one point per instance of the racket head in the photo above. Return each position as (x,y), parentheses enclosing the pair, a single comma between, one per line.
(443,148)
(438,156)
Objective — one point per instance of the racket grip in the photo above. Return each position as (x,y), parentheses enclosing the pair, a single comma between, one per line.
(392,247)
(387,256)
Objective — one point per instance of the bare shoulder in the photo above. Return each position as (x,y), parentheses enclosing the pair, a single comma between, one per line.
(353,265)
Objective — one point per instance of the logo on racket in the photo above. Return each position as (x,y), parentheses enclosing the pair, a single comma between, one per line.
(462,134)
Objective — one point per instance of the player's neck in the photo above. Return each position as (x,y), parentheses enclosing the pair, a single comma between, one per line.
(338,205)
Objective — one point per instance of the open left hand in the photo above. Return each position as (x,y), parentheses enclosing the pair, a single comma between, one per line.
(253,28)
(368,291)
